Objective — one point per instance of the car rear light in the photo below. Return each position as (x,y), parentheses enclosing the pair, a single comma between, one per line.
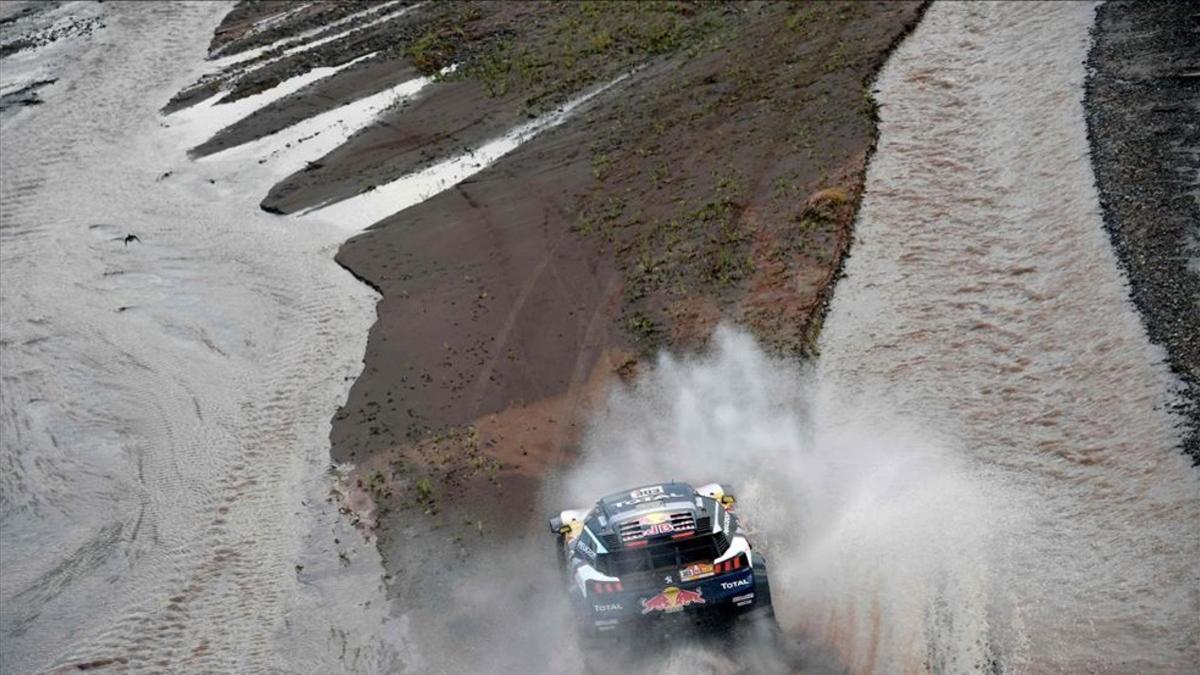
(735,563)
(598,587)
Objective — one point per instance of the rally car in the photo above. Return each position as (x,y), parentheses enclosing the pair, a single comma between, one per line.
(658,550)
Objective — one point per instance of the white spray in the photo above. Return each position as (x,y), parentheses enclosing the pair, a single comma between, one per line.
(876,537)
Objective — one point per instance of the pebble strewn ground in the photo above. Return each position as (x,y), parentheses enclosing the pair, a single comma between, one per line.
(1143,95)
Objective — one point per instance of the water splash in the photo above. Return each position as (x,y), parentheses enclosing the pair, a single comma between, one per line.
(875,532)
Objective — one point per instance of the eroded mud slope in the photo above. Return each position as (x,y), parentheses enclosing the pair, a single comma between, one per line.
(716,182)
(715,178)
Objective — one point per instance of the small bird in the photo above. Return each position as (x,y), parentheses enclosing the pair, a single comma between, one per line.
(131,237)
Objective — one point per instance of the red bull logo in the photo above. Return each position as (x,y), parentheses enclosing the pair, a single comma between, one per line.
(652,525)
(672,599)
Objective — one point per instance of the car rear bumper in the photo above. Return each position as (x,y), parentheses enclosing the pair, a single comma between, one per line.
(724,595)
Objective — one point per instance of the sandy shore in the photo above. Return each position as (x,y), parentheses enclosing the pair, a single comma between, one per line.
(1141,109)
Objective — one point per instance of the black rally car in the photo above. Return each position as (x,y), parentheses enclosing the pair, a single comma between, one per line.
(658,550)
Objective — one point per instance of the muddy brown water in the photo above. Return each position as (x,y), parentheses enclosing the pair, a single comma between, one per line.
(984,303)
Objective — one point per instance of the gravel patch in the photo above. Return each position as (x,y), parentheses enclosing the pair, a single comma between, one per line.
(1143,114)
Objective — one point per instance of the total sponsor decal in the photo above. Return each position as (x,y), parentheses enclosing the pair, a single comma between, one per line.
(697,571)
(672,599)
(730,585)
(610,607)
(581,545)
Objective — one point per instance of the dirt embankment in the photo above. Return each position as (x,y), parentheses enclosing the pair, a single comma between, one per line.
(1142,96)
(714,184)
(717,182)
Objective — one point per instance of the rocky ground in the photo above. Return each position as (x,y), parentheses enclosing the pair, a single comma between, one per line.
(1143,109)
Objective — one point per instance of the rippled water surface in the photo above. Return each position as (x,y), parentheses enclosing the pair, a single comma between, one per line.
(983,302)
(165,408)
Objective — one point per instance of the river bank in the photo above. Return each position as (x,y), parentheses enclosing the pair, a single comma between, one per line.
(713,177)
(540,199)
(716,184)
(1143,92)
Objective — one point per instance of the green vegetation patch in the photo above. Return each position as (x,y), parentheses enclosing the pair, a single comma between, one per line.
(546,52)
(730,178)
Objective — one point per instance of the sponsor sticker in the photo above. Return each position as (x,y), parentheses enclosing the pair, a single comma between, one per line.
(581,545)
(672,599)
(610,607)
(652,494)
(697,571)
(730,585)
(646,492)
(740,598)
(655,524)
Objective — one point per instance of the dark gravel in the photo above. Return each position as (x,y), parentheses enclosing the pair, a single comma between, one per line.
(1143,115)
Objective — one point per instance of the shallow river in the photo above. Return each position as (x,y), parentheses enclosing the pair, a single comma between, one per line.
(983,303)
(166,402)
